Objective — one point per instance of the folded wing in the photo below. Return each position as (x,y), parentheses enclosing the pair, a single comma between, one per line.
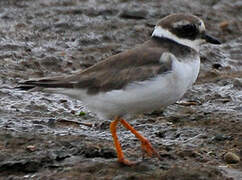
(116,72)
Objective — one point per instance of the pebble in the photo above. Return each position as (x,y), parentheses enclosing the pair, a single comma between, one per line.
(63,101)
(220,137)
(238,83)
(31,148)
(224,25)
(133,14)
(217,66)
(231,158)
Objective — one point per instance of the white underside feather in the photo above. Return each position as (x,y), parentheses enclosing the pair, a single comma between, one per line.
(148,95)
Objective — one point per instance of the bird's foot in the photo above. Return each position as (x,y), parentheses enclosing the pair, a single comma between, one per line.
(127,162)
(147,147)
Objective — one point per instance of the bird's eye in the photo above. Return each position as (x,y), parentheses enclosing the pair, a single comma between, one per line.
(189,28)
(188,31)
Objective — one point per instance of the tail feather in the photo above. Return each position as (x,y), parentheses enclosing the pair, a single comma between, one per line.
(44,83)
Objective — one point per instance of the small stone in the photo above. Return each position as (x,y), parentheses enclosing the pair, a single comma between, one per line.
(161,134)
(231,158)
(156,113)
(238,83)
(133,14)
(220,137)
(224,25)
(63,101)
(188,153)
(73,112)
(31,148)
(51,122)
(104,125)
(187,103)
(217,66)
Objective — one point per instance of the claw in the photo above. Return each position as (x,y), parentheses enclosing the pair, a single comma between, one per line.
(147,147)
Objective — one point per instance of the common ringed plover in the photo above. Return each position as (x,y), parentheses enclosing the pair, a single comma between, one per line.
(151,76)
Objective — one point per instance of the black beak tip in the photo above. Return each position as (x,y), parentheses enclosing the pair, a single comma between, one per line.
(211,39)
(215,41)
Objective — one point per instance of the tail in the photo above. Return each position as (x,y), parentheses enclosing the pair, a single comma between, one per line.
(44,83)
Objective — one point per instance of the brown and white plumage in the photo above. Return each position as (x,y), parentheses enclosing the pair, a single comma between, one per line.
(117,75)
(155,74)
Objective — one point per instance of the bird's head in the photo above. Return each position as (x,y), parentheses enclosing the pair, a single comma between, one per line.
(185,29)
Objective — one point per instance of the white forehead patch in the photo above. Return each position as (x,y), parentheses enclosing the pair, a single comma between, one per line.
(180,23)
(186,22)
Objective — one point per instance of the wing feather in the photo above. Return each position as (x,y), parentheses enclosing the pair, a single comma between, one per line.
(116,72)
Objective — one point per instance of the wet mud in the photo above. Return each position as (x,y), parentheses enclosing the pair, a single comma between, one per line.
(51,136)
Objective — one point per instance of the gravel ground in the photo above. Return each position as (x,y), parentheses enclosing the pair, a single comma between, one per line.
(50,136)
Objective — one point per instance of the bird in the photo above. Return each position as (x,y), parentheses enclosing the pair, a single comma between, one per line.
(148,77)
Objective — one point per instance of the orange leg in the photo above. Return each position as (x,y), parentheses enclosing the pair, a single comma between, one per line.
(113,129)
(145,144)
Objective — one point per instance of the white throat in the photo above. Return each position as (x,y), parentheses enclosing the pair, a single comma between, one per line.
(161,32)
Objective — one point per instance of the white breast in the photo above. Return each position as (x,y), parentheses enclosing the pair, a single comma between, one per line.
(147,95)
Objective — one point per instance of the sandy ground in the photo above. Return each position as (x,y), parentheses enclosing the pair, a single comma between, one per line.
(50,136)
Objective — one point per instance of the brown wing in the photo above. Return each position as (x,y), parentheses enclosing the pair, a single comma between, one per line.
(120,70)
(116,72)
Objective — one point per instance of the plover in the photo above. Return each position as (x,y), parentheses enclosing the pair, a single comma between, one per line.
(151,76)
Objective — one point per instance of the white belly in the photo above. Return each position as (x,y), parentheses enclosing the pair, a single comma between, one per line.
(148,95)
(143,96)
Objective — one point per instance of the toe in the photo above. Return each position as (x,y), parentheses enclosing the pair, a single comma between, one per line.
(147,147)
(126,162)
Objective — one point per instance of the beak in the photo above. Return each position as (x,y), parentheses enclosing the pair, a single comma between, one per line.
(210,39)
